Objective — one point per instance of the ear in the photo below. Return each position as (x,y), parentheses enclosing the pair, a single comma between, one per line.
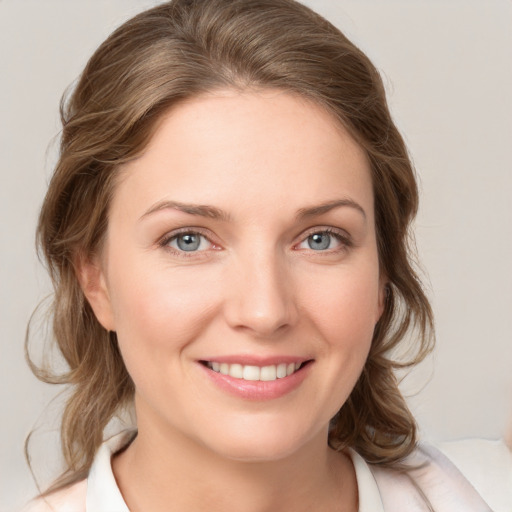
(383,295)
(91,277)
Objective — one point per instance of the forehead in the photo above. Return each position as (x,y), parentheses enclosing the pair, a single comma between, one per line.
(249,149)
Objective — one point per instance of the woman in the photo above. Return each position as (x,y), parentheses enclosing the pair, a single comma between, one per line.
(227,233)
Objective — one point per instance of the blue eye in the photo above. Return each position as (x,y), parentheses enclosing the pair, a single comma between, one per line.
(188,242)
(324,240)
(319,241)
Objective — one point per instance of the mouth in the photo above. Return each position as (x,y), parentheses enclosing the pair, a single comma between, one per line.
(254,373)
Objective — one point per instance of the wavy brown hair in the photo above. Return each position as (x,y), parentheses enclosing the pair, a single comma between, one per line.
(163,56)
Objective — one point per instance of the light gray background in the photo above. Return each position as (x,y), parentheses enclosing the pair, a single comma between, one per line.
(447,67)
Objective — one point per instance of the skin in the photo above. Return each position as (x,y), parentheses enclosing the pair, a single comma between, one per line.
(254,287)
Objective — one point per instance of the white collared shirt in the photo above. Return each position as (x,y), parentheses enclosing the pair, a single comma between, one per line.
(488,464)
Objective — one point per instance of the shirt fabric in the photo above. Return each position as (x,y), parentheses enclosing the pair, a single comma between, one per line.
(476,476)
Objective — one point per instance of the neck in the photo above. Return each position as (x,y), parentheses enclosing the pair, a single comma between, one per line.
(162,467)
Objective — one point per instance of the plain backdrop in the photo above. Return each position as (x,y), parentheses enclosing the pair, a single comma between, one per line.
(447,66)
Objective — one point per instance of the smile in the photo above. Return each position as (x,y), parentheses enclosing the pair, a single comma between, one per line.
(257,378)
(254,373)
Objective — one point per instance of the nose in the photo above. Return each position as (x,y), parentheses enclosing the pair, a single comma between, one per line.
(261,295)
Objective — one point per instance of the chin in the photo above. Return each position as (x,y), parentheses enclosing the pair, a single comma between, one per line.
(260,443)
(257,451)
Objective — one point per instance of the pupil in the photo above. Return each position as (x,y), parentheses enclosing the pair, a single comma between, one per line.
(188,242)
(319,241)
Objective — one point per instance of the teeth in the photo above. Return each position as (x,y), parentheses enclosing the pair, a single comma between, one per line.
(251,373)
(248,372)
(268,373)
(236,371)
(281,370)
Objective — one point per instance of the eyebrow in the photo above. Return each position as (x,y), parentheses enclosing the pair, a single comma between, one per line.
(192,209)
(328,206)
(213,212)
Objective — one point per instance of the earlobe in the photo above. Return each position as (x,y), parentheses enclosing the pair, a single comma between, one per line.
(92,280)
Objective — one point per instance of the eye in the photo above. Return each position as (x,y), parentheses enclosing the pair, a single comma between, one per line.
(189,241)
(324,240)
(319,241)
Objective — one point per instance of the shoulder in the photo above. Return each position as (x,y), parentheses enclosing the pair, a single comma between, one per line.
(70,499)
(471,475)
(487,465)
(98,492)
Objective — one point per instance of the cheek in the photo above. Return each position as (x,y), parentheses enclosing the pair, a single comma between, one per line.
(340,307)
(345,304)
(343,308)
(157,310)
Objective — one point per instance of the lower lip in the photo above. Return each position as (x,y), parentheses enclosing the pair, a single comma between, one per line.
(257,389)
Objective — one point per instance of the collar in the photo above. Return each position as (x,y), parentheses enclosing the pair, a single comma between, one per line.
(103,494)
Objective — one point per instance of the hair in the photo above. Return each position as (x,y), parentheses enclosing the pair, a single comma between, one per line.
(176,51)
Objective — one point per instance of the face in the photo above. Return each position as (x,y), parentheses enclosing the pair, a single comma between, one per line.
(240,272)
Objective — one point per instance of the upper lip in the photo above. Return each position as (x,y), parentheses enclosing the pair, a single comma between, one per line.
(254,360)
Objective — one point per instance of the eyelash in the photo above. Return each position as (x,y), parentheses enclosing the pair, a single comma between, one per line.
(167,239)
(341,236)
